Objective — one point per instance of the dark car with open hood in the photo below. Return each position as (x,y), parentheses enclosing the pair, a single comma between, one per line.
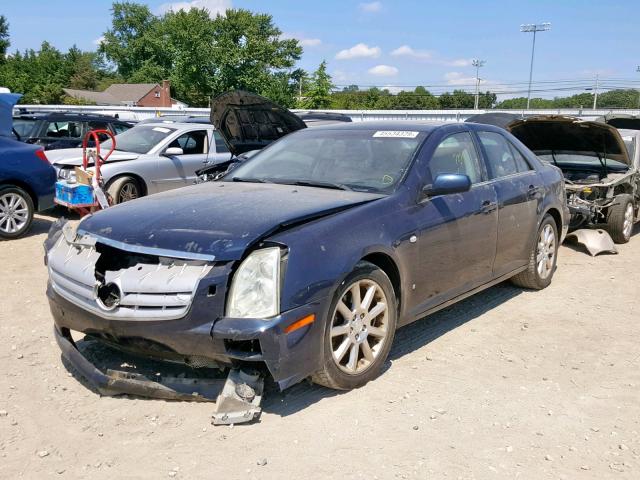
(602,178)
(305,259)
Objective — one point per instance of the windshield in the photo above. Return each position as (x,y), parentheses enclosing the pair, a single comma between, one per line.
(368,160)
(139,139)
(630,144)
(576,159)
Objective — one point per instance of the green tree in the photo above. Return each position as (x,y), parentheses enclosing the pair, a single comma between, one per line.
(4,37)
(319,94)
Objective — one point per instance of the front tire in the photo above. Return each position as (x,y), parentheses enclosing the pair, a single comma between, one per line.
(360,329)
(620,219)
(16,212)
(542,259)
(124,189)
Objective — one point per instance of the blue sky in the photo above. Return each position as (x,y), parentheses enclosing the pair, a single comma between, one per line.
(410,42)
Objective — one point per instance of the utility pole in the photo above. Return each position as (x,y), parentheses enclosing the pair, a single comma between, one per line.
(528,28)
(595,93)
(477,63)
(638,70)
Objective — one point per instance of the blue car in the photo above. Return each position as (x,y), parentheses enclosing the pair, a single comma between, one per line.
(304,260)
(27,179)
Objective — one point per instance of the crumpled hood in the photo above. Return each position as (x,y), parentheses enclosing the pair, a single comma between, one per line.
(215,219)
(72,157)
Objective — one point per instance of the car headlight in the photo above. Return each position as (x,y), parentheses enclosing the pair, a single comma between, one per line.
(255,289)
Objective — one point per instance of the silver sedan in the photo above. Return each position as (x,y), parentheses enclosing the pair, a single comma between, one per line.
(150,158)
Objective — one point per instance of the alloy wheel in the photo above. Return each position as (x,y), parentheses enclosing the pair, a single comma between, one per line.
(129,191)
(360,327)
(14,213)
(546,251)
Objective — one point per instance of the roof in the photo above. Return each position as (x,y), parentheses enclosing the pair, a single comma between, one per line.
(397,125)
(116,94)
(69,116)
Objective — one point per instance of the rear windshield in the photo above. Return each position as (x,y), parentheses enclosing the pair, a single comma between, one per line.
(24,126)
(139,139)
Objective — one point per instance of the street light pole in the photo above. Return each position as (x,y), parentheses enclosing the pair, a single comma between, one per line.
(638,70)
(595,93)
(527,28)
(477,63)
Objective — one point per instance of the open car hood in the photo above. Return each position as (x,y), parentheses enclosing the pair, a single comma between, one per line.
(560,134)
(621,121)
(7,101)
(248,121)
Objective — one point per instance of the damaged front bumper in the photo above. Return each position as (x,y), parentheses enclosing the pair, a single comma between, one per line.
(170,310)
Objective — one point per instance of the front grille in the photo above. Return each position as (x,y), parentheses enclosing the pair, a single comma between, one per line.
(143,291)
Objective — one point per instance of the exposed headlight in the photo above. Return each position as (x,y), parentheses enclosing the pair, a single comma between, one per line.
(255,289)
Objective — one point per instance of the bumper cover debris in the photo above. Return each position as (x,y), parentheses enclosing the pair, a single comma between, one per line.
(596,241)
(237,399)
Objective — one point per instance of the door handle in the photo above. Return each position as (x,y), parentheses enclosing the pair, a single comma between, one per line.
(488,206)
(533,191)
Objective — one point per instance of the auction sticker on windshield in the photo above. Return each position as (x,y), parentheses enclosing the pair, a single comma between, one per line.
(395,134)
(161,129)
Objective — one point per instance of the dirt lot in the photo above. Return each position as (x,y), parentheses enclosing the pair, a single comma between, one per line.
(507,384)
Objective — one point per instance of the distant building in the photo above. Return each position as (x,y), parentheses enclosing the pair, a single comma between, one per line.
(129,94)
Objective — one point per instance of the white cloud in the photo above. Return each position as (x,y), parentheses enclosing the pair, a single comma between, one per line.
(340,76)
(370,7)
(214,7)
(302,40)
(460,62)
(457,78)
(407,51)
(98,41)
(383,71)
(360,50)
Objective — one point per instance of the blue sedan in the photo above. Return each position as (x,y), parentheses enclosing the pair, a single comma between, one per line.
(27,180)
(306,258)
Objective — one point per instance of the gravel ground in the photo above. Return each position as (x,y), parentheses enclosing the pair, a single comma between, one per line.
(506,384)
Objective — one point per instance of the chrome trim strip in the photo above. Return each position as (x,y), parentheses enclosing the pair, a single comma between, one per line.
(160,252)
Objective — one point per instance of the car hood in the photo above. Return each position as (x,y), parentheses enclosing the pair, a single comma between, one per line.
(72,157)
(7,101)
(215,220)
(560,134)
(248,121)
(621,121)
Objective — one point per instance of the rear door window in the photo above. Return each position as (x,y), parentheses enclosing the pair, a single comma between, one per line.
(221,147)
(456,154)
(500,157)
(24,126)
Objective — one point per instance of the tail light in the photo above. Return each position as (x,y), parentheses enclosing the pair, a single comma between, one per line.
(41,155)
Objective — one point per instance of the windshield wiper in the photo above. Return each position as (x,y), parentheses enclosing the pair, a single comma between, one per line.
(315,183)
(249,180)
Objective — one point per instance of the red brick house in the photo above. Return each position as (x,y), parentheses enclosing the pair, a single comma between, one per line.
(129,94)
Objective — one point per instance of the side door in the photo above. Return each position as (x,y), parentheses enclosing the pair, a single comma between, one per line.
(520,191)
(457,232)
(179,170)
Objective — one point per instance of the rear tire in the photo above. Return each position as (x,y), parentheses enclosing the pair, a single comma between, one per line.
(124,189)
(620,218)
(359,330)
(16,212)
(542,259)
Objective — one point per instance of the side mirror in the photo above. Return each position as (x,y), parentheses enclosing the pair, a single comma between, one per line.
(173,151)
(447,183)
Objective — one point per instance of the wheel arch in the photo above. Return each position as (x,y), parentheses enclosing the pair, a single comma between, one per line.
(388,265)
(23,185)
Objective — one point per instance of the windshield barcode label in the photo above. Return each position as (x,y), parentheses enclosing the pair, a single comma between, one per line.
(395,134)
